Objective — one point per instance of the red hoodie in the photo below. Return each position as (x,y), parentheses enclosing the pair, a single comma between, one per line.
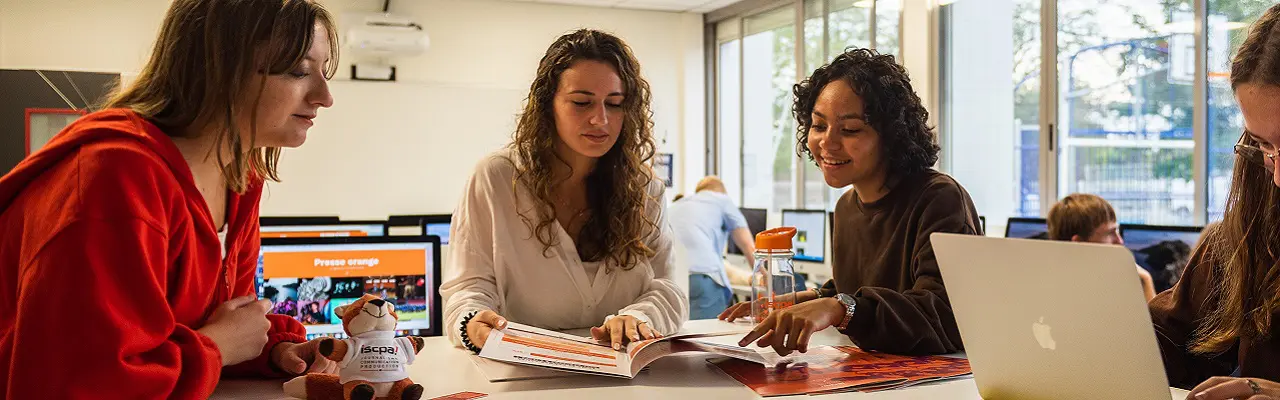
(109,262)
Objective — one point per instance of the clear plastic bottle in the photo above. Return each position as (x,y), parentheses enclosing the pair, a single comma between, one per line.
(772,280)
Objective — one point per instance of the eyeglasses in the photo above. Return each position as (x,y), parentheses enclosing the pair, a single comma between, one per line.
(1258,155)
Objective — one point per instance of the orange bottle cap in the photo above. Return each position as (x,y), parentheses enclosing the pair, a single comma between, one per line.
(775,239)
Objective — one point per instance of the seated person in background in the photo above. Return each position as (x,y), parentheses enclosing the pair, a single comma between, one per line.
(1088,218)
(566,227)
(1217,327)
(703,223)
(862,123)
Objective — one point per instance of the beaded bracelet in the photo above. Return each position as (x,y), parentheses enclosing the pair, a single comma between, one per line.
(466,341)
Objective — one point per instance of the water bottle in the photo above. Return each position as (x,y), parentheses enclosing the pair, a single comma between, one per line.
(772,282)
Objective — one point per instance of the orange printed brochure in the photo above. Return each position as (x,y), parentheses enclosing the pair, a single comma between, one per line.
(836,369)
(527,345)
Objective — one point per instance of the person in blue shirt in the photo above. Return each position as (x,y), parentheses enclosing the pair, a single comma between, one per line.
(703,223)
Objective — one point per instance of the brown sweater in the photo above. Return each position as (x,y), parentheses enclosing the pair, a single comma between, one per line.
(1176,313)
(882,255)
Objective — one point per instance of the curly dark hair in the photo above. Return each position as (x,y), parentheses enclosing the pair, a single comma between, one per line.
(890,105)
(618,190)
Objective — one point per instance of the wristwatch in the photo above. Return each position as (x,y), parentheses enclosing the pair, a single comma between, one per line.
(850,305)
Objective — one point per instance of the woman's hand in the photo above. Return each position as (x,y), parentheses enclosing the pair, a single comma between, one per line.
(622,329)
(742,309)
(789,329)
(1225,388)
(480,325)
(300,358)
(238,328)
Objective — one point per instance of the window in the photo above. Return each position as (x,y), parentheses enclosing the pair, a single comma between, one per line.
(1123,102)
(768,72)
(849,25)
(728,105)
(1229,21)
(887,19)
(990,122)
(816,192)
(756,70)
(1126,115)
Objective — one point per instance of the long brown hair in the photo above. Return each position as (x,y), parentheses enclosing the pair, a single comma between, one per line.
(618,189)
(1247,243)
(203,60)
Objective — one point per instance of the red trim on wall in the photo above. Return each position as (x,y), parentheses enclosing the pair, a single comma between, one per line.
(26,120)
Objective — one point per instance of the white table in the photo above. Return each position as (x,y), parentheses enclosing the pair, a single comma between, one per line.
(443,369)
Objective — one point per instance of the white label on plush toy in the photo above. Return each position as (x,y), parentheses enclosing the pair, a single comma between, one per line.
(378,359)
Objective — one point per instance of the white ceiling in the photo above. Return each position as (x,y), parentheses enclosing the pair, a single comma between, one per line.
(693,6)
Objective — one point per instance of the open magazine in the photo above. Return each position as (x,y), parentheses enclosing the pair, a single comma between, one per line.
(834,369)
(527,345)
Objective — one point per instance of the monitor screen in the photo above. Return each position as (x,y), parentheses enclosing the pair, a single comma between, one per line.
(424,224)
(440,229)
(308,278)
(756,221)
(296,220)
(334,230)
(811,229)
(1161,250)
(1027,228)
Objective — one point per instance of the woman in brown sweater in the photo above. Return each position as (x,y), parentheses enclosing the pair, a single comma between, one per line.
(1216,327)
(865,127)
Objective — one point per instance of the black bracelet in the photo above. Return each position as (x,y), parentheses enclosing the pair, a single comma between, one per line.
(466,341)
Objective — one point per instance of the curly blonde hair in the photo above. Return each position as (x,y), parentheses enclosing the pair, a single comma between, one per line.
(617,190)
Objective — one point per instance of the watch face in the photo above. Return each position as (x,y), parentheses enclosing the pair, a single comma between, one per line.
(844,299)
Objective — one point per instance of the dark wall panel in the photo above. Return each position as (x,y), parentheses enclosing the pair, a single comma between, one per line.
(23,89)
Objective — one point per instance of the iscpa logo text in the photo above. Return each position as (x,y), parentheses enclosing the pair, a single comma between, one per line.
(378,349)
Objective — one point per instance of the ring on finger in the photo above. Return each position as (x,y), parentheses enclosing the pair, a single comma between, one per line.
(1254,386)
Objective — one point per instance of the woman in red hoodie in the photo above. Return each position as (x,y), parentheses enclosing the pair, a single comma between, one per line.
(128,245)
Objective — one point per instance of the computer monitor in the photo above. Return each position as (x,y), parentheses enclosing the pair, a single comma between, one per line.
(756,221)
(307,278)
(1161,250)
(433,224)
(811,233)
(982,220)
(1027,228)
(343,228)
(313,220)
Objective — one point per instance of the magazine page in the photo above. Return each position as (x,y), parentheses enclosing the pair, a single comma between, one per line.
(523,344)
(830,369)
(499,371)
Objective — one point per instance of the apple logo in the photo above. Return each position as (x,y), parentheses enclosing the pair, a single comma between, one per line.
(1041,332)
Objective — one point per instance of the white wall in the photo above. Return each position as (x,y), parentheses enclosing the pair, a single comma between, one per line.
(2,45)
(409,146)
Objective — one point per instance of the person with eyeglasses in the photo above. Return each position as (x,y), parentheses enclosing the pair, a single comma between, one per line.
(1218,328)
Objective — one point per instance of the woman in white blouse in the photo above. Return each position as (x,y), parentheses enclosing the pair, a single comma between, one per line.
(564,229)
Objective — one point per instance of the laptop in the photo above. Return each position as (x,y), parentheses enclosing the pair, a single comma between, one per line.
(307,278)
(1051,320)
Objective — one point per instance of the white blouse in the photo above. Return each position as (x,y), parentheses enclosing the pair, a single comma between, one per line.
(496,263)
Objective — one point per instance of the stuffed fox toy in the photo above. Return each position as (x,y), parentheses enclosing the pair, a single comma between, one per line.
(372,359)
